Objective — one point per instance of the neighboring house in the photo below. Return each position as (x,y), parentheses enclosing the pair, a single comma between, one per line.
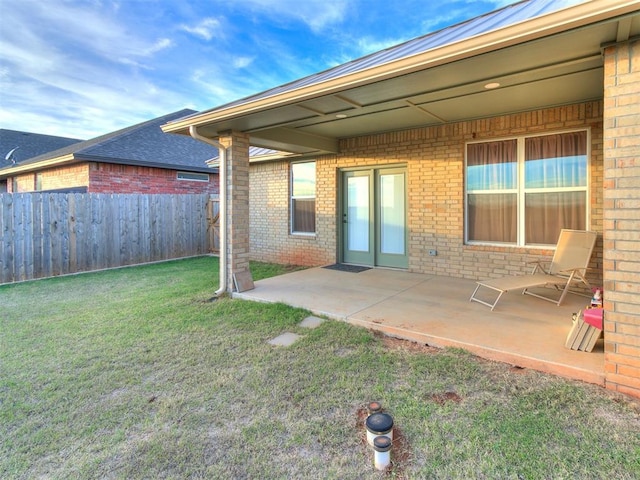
(16,147)
(460,153)
(138,159)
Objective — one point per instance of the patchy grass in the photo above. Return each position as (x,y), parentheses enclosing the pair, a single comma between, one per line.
(134,373)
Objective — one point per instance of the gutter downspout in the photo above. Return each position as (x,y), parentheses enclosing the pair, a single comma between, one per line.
(222,175)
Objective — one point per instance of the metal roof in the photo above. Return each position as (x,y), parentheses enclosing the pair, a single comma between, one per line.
(509,15)
(541,53)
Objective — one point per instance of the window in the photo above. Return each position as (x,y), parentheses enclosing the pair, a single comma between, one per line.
(303,197)
(194,177)
(523,191)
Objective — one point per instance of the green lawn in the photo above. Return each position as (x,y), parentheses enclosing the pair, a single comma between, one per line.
(134,373)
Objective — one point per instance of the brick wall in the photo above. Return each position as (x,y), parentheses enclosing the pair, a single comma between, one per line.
(621,218)
(21,183)
(434,157)
(54,178)
(74,176)
(113,178)
(270,237)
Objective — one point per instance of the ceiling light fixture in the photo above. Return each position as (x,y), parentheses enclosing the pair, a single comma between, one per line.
(492,85)
(341,115)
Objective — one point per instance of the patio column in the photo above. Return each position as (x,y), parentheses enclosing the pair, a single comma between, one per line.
(237,145)
(621,222)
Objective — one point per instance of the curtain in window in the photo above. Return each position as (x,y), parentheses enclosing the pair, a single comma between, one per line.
(304,215)
(303,202)
(555,162)
(492,213)
(548,213)
(493,218)
(492,165)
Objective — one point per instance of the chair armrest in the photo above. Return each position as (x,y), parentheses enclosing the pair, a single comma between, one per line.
(581,272)
(537,265)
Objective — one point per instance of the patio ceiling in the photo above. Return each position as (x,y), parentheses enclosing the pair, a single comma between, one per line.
(534,70)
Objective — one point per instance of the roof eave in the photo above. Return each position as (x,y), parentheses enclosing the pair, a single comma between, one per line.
(73,159)
(144,163)
(30,167)
(546,25)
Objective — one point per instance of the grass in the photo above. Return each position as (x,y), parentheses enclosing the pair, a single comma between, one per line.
(134,373)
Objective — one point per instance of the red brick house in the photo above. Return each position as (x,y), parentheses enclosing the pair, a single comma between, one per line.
(478,141)
(138,159)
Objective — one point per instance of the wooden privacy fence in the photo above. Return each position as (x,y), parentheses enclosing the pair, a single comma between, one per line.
(49,234)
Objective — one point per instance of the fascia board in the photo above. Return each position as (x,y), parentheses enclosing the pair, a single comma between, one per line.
(72,159)
(143,163)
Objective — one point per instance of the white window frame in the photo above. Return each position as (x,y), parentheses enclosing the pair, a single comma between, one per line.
(193,177)
(520,189)
(293,197)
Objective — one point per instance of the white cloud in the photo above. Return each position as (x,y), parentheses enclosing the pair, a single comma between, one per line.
(206,29)
(160,45)
(242,62)
(77,69)
(316,14)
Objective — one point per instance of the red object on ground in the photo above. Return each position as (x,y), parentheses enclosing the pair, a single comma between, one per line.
(593,316)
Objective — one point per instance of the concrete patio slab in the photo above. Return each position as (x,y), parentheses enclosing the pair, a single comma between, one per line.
(435,310)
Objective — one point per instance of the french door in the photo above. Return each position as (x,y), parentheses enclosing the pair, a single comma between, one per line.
(374,217)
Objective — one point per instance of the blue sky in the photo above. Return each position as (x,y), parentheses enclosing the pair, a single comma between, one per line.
(80,69)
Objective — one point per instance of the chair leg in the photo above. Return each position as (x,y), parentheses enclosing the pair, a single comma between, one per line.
(474,293)
(491,305)
(566,289)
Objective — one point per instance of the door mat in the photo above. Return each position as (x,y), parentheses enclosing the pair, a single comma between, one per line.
(347,268)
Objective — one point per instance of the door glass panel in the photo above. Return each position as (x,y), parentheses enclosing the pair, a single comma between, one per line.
(392,213)
(358,213)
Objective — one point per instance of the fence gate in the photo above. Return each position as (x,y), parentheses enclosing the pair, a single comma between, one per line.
(213,224)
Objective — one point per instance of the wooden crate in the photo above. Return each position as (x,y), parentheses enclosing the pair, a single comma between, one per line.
(584,335)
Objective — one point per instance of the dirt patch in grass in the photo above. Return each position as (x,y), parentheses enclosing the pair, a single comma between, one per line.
(442,398)
(406,345)
(517,369)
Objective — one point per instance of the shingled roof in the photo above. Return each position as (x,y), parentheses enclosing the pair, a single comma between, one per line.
(144,144)
(28,145)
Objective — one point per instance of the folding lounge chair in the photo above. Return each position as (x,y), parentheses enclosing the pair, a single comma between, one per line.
(568,266)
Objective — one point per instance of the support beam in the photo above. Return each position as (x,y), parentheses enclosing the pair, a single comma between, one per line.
(293,140)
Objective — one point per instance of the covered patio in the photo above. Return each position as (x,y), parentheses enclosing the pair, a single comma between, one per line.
(435,310)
